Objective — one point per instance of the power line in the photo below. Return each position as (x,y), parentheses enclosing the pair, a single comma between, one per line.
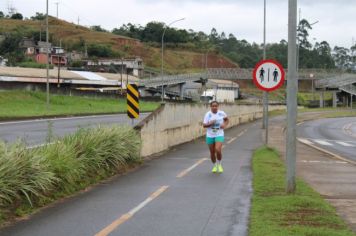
(79,16)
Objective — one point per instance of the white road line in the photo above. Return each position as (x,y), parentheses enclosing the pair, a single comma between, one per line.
(186,171)
(306,141)
(333,155)
(231,140)
(110,228)
(347,129)
(324,162)
(322,142)
(345,144)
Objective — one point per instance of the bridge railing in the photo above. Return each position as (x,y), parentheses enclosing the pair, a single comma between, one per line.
(351,89)
(336,81)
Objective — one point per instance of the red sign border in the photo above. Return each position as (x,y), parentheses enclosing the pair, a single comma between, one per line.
(280,83)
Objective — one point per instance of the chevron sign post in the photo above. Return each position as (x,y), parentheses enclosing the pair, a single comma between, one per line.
(133,103)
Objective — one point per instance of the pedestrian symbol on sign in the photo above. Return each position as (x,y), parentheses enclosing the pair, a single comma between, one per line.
(262,74)
(275,75)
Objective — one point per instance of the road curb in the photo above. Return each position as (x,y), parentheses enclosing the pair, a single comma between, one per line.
(335,156)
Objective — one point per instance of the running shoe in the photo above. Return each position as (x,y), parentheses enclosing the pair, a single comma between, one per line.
(220,169)
(215,169)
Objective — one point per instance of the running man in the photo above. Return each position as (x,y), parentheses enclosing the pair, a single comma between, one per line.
(215,121)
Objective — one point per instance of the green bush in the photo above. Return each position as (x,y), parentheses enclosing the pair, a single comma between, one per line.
(301,101)
(31,177)
(30,64)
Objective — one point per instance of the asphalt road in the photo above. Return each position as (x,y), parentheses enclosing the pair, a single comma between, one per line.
(35,132)
(337,135)
(175,194)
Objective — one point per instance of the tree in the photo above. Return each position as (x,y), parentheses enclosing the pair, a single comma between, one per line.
(10,48)
(214,36)
(153,32)
(97,28)
(17,16)
(38,16)
(302,34)
(2,15)
(342,57)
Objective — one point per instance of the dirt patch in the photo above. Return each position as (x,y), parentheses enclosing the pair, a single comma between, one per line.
(308,217)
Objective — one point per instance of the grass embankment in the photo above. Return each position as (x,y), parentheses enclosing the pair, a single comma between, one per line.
(276,213)
(32,178)
(23,104)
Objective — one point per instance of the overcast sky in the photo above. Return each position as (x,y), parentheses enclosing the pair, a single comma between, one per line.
(243,18)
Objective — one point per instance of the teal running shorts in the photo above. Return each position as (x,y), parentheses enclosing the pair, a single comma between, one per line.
(219,139)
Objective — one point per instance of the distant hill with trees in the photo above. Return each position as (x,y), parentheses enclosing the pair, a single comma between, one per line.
(186,50)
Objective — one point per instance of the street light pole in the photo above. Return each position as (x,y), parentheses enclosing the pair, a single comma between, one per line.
(47,49)
(292,87)
(164,31)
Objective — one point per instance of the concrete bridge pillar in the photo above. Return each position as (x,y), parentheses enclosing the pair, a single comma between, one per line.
(181,91)
(321,99)
(334,99)
(351,101)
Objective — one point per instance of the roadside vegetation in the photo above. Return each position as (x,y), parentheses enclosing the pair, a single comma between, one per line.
(275,213)
(33,178)
(24,104)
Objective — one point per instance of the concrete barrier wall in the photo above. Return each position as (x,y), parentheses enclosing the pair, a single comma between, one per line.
(173,124)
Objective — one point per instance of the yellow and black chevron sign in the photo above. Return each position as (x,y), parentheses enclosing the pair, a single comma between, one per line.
(133,104)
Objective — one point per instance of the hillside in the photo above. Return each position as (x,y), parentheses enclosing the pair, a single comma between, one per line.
(71,36)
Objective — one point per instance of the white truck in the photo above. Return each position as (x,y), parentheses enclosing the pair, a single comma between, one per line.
(219,95)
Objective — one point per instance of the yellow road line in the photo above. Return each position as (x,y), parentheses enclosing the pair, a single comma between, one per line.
(186,171)
(110,228)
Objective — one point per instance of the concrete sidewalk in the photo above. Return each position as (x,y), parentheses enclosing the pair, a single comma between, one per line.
(335,180)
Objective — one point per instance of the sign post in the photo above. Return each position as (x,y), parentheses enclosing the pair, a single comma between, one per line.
(133,103)
(268,76)
(292,89)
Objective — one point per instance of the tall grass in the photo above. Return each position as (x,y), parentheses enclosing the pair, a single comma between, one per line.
(32,176)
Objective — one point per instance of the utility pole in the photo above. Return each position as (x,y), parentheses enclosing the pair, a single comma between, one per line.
(292,88)
(78,20)
(47,52)
(265,93)
(122,67)
(57,3)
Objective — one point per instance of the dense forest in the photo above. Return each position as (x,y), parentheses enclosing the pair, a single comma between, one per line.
(244,53)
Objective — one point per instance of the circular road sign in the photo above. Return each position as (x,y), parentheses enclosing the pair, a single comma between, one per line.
(268,75)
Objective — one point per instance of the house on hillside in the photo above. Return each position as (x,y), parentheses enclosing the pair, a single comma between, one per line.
(28,46)
(57,55)
(75,56)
